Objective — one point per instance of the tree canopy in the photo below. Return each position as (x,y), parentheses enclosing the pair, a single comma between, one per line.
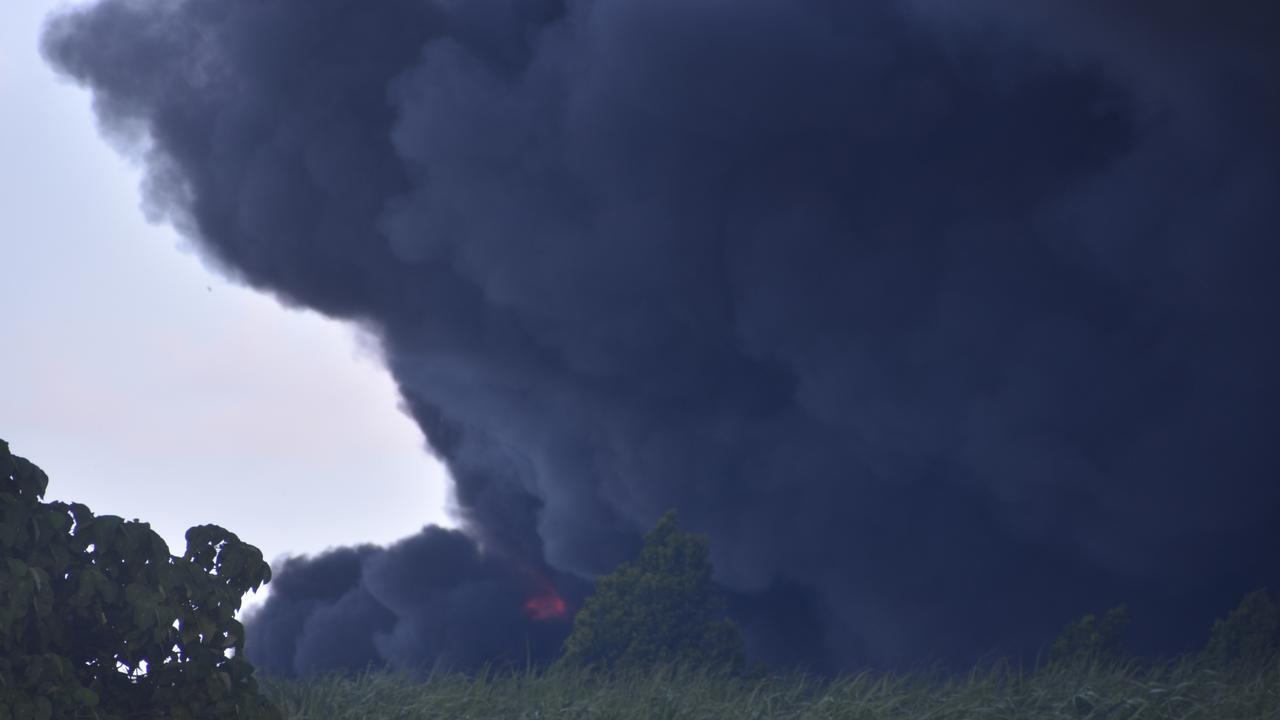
(1091,639)
(661,609)
(97,619)
(1250,634)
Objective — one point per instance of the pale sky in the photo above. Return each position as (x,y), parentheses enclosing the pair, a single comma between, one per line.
(150,387)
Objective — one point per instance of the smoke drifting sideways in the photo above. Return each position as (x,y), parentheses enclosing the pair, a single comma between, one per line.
(945,325)
(355,608)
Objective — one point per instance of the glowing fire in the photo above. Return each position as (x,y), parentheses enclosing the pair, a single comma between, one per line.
(547,605)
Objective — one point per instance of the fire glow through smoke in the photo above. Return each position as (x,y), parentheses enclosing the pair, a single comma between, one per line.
(546,605)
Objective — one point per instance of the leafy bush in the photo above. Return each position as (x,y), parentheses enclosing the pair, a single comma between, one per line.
(98,620)
(1087,639)
(661,609)
(1249,635)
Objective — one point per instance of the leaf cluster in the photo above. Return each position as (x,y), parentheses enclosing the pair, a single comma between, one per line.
(98,620)
(1249,635)
(661,609)
(1090,639)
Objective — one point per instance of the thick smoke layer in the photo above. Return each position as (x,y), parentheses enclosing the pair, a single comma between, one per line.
(428,601)
(946,322)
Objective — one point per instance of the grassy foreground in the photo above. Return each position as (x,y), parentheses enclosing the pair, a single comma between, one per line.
(1182,690)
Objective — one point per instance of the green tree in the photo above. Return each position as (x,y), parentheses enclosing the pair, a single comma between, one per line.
(1090,639)
(661,609)
(98,620)
(1249,635)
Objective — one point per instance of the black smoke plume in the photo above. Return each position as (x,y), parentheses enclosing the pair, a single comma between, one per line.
(431,600)
(947,322)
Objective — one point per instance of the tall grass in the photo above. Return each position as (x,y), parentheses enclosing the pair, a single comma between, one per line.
(1182,690)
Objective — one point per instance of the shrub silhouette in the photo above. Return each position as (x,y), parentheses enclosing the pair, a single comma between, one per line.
(661,609)
(1249,635)
(98,620)
(1089,639)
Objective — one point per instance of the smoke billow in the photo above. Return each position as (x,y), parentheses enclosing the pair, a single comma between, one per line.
(431,600)
(945,324)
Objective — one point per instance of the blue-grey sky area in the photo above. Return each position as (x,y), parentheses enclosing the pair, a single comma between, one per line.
(148,386)
(946,323)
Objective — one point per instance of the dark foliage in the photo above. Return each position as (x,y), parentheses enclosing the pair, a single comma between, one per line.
(661,609)
(97,619)
(1249,635)
(1089,639)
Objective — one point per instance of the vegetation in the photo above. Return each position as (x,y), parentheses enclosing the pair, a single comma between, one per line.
(1115,691)
(1087,677)
(1250,634)
(661,609)
(98,620)
(1088,640)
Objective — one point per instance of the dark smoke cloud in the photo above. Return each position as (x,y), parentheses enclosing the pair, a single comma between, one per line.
(947,325)
(430,600)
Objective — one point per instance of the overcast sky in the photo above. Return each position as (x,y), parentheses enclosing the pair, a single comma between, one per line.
(148,386)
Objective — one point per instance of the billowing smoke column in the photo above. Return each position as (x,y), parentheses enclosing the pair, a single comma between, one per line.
(947,322)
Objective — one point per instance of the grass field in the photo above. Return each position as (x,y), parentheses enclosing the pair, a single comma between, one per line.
(1182,690)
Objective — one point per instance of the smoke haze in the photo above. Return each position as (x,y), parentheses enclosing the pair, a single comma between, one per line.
(945,324)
